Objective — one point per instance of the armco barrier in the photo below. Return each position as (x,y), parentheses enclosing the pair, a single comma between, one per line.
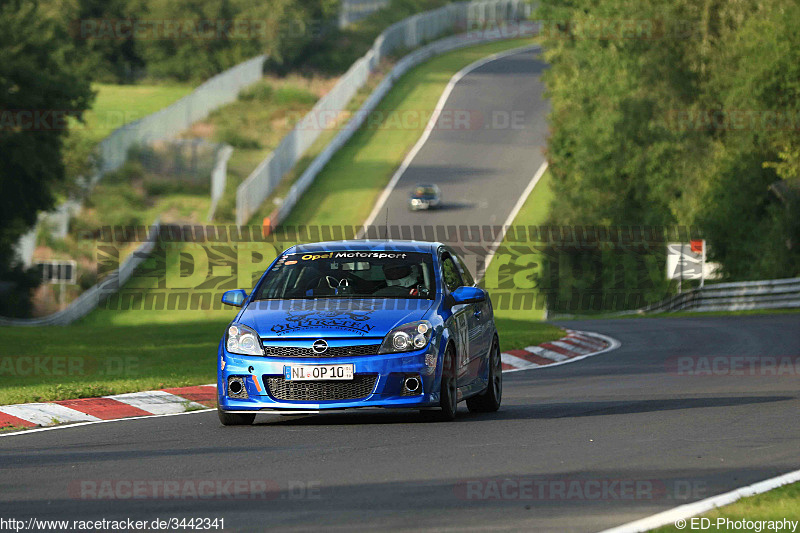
(738,296)
(90,298)
(219,176)
(409,33)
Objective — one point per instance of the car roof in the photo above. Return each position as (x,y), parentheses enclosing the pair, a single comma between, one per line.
(360,245)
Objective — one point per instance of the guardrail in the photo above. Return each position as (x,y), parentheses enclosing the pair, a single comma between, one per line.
(408,33)
(737,296)
(89,299)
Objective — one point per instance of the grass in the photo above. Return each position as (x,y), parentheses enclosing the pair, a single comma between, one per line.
(519,309)
(322,141)
(117,105)
(777,504)
(255,124)
(88,359)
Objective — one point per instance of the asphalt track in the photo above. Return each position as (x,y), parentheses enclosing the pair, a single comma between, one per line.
(624,416)
(578,434)
(483,151)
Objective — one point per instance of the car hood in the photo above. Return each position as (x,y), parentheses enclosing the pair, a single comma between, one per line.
(331,318)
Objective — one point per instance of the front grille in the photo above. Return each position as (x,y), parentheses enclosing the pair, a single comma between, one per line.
(317,391)
(332,351)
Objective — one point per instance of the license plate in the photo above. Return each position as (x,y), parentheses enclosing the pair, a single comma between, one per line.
(318,372)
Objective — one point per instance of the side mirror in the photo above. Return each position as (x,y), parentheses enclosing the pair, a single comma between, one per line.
(468,295)
(235,298)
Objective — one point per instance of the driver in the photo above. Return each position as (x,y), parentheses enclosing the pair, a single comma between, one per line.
(404,276)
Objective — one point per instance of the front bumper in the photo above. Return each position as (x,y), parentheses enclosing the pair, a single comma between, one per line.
(390,371)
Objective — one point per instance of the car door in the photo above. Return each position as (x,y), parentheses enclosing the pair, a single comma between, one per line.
(483,314)
(463,326)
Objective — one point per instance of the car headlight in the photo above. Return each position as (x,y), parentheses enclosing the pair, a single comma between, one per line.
(408,337)
(243,341)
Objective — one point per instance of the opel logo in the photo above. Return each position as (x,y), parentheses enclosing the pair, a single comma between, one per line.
(319,346)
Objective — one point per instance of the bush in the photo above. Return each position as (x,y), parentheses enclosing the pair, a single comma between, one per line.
(238,140)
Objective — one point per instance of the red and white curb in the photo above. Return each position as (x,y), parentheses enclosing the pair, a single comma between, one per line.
(575,346)
(147,403)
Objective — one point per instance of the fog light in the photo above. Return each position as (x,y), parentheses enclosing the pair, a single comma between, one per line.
(236,387)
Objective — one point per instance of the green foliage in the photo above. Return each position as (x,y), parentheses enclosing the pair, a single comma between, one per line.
(634,140)
(238,140)
(341,48)
(39,74)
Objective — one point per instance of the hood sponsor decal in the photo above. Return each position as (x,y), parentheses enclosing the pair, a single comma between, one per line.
(350,320)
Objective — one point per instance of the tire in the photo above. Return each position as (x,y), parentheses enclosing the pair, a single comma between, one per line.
(448,392)
(489,400)
(234,419)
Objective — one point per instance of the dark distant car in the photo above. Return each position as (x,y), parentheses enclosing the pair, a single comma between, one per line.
(425,197)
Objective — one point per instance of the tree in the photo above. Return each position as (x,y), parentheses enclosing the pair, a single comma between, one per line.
(670,112)
(39,85)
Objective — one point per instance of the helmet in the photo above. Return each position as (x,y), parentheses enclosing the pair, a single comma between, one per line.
(400,275)
(396,272)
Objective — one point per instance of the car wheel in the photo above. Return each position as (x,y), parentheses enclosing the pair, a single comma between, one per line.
(234,419)
(489,400)
(448,392)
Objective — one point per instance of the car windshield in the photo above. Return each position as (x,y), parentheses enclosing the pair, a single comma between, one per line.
(422,192)
(350,274)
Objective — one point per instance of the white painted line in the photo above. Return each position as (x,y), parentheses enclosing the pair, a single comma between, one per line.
(689,510)
(156,402)
(517,362)
(511,216)
(46,414)
(547,354)
(387,191)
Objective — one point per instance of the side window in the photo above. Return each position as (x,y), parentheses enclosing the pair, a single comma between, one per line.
(468,279)
(452,279)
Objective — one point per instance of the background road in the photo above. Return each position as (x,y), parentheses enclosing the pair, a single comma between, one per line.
(485,149)
(618,417)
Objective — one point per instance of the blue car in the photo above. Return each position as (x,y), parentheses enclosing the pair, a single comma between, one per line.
(360,324)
